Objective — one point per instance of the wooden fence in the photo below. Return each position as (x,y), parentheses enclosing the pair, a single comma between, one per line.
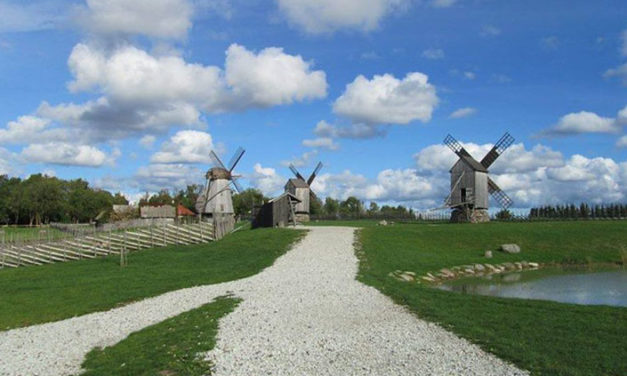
(103,243)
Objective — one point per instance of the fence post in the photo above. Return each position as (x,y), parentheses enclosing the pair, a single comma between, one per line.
(152,239)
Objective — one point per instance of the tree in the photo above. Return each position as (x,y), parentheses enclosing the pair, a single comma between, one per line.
(504,215)
(373,209)
(188,196)
(119,199)
(351,207)
(244,201)
(331,207)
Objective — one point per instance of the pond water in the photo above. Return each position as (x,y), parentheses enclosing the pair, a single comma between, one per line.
(607,287)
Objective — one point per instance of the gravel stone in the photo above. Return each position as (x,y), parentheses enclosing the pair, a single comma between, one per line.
(305,315)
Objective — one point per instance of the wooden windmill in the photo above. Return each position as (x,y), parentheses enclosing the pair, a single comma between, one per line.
(301,189)
(216,200)
(471,185)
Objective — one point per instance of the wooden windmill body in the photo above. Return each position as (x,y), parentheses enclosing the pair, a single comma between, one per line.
(215,203)
(301,189)
(471,185)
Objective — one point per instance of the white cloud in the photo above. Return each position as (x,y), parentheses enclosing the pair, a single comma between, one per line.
(443,3)
(324,16)
(490,31)
(8,162)
(433,53)
(356,131)
(148,141)
(388,100)
(321,142)
(622,142)
(185,147)
(67,154)
(170,19)
(155,177)
(142,93)
(272,77)
(266,180)
(585,122)
(463,112)
(27,128)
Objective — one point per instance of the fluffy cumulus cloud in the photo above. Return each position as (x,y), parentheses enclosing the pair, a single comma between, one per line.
(324,16)
(463,113)
(387,100)
(588,122)
(185,147)
(302,160)
(68,154)
(140,93)
(272,77)
(170,19)
(266,179)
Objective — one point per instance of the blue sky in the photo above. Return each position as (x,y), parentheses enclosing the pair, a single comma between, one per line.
(132,95)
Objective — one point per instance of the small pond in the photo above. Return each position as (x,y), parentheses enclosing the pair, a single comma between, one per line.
(607,287)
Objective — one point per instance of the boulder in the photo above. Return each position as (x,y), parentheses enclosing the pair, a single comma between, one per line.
(383,223)
(479,267)
(448,273)
(510,248)
(488,254)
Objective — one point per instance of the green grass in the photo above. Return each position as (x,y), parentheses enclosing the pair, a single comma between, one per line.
(172,347)
(544,337)
(47,293)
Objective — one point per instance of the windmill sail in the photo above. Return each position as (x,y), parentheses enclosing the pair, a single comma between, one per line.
(501,145)
(314,173)
(504,201)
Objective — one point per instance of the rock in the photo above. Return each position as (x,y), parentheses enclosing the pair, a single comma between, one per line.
(534,265)
(428,279)
(406,277)
(510,248)
(524,264)
(492,268)
(518,265)
(508,266)
(488,254)
(383,223)
(479,267)
(469,271)
(411,274)
(447,272)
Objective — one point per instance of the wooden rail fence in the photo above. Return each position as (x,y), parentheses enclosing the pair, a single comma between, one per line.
(13,255)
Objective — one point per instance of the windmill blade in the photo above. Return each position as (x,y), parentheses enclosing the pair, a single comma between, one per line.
(457,148)
(501,145)
(236,157)
(499,195)
(312,195)
(216,160)
(238,187)
(295,172)
(313,174)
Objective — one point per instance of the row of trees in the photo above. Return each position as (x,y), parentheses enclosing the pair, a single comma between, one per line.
(583,211)
(44,199)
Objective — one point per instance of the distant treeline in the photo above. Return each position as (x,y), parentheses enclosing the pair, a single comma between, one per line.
(43,199)
(582,211)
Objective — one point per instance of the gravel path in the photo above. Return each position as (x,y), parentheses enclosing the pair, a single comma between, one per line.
(305,315)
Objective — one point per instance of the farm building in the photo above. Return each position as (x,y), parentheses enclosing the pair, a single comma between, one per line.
(157,211)
(278,212)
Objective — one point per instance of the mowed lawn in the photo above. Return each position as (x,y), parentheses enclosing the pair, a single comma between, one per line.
(544,337)
(37,294)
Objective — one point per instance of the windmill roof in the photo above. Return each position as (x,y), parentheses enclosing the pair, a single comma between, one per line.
(298,183)
(470,161)
(285,194)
